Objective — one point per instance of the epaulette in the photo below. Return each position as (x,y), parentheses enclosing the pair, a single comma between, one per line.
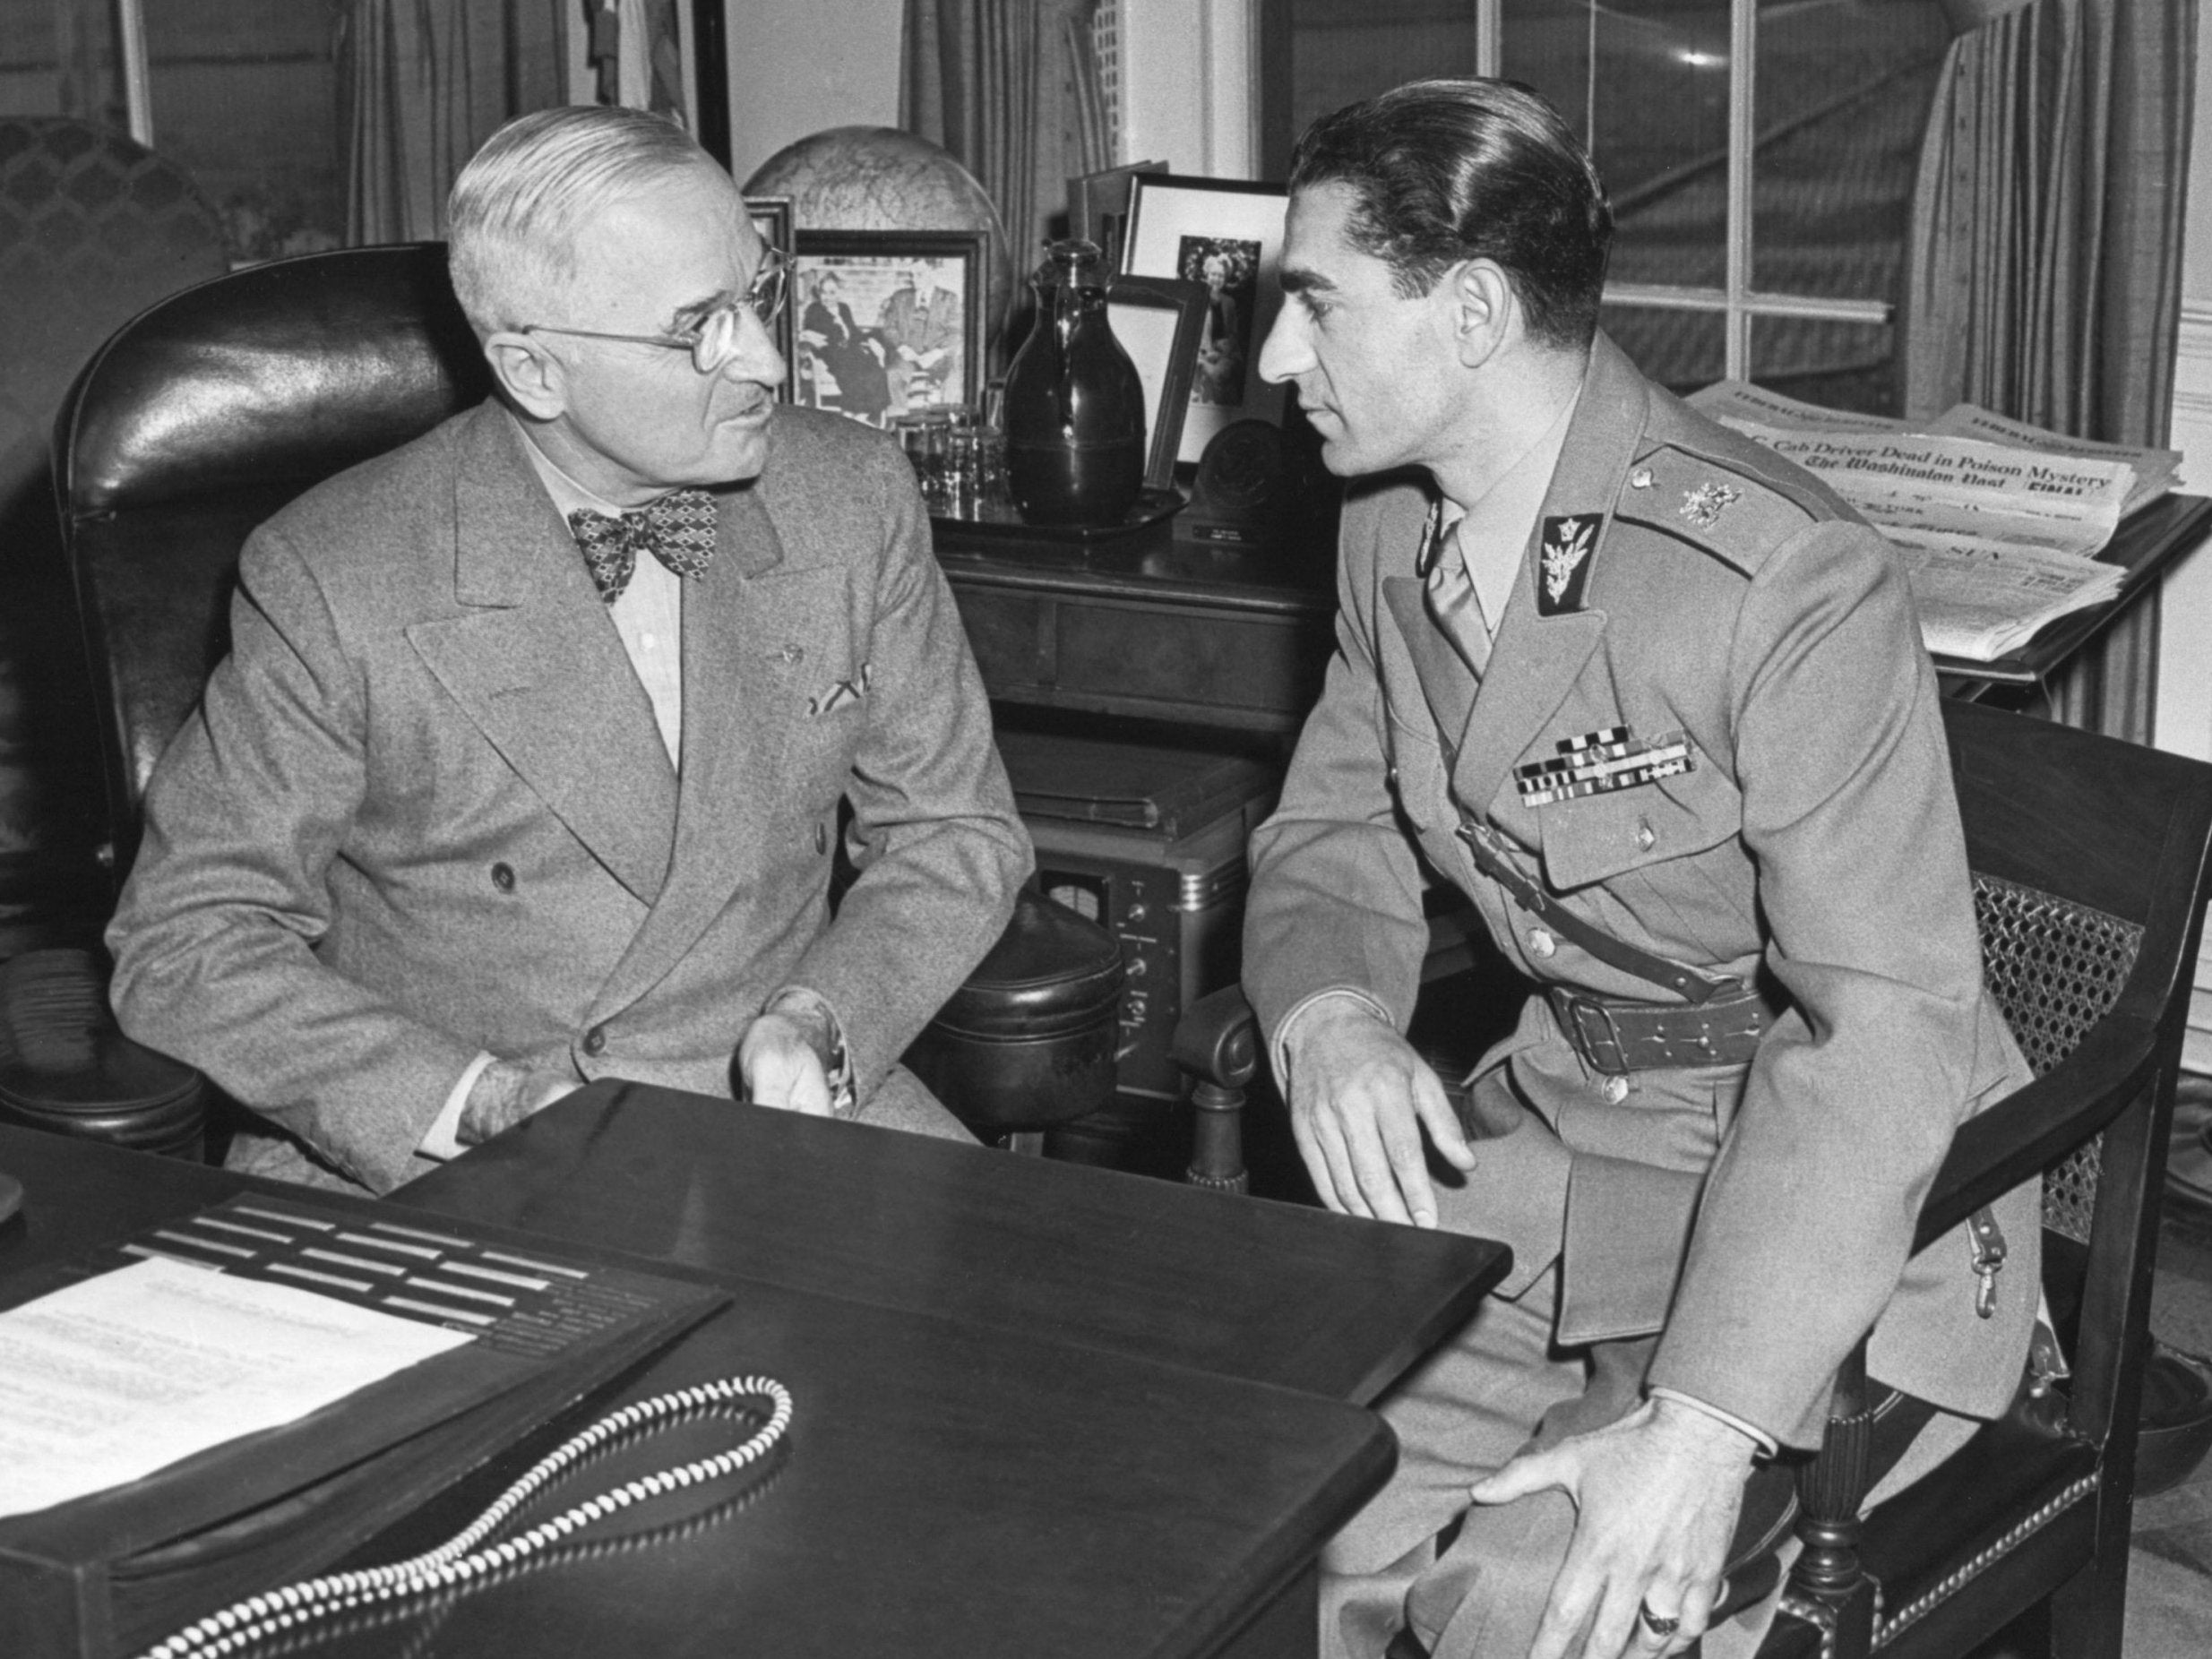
(1736,510)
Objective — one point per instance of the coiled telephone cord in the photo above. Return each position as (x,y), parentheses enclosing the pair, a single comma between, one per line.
(459,1559)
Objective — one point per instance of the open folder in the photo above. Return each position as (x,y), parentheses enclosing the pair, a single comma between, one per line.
(512,1335)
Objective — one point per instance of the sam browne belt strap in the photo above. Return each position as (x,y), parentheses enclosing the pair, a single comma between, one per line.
(1691,984)
(1722,1026)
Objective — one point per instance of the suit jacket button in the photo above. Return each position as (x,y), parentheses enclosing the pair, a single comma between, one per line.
(821,837)
(503,877)
(1645,835)
(595,1040)
(1541,943)
(1616,1090)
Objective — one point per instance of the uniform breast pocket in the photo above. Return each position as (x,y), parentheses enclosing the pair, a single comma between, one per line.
(1596,836)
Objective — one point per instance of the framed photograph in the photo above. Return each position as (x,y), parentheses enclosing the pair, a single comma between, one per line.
(890,322)
(1159,320)
(1228,235)
(771,219)
(1099,207)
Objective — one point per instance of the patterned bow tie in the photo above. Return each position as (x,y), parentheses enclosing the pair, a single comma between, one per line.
(677,529)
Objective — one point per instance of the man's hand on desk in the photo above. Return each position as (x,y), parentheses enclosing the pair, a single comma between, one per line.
(503,1094)
(787,1056)
(1656,1497)
(1359,1097)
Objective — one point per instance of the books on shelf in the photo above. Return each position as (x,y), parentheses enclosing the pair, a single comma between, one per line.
(1999,523)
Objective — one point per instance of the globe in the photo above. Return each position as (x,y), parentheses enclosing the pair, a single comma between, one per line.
(883,179)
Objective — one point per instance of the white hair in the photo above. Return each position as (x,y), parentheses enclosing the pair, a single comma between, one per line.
(518,207)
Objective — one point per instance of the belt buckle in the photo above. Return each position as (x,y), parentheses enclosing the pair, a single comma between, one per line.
(1593,1044)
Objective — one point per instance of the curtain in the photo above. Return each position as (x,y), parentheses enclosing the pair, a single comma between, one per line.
(1010,87)
(634,52)
(2044,270)
(422,83)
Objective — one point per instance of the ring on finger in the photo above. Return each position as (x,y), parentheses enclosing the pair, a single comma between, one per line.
(1651,1621)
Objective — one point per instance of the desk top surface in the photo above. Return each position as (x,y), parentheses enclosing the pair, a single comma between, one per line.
(1302,584)
(951,1486)
(1239,1287)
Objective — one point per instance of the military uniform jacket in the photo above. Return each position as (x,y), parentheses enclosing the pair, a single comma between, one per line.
(1690,587)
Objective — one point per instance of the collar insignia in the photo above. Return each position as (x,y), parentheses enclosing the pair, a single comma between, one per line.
(1567,543)
(1703,505)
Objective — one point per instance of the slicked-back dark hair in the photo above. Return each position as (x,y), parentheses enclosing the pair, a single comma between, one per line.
(1447,170)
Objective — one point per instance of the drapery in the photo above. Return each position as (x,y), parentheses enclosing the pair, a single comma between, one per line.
(2044,271)
(1010,87)
(422,83)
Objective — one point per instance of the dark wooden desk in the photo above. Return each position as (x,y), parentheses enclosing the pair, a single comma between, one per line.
(1148,626)
(1239,1287)
(1239,636)
(952,1485)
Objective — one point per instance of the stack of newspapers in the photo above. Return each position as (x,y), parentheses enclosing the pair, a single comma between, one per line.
(1999,523)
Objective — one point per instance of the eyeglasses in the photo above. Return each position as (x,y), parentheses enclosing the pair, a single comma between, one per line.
(712,340)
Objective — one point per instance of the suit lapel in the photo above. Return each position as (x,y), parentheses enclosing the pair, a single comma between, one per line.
(1535,659)
(538,666)
(744,673)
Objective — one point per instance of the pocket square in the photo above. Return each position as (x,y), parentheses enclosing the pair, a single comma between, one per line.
(844,691)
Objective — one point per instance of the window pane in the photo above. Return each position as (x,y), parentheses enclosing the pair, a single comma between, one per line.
(30,84)
(1843,94)
(1680,349)
(1655,113)
(1344,50)
(1845,365)
(57,58)
(244,99)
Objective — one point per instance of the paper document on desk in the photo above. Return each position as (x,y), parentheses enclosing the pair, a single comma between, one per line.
(109,1380)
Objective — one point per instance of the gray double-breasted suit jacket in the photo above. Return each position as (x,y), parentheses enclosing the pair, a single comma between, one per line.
(1680,580)
(423,809)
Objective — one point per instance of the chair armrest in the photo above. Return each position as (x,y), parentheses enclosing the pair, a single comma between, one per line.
(1217,1039)
(2035,1125)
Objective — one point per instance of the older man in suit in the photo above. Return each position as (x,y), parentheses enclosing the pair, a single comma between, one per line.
(1653,700)
(526,766)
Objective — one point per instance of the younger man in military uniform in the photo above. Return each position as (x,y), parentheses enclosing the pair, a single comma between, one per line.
(1655,701)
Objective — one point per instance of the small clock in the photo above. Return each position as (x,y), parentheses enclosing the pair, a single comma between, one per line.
(1242,489)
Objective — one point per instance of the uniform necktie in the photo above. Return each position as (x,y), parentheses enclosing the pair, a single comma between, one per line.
(677,529)
(1453,605)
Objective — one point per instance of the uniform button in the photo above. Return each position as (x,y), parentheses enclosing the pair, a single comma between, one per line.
(1639,479)
(595,1040)
(1541,943)
(1616,1090)
(503,877)
(821,838)
(1645,835)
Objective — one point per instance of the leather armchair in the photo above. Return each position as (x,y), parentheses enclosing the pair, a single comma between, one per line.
(93,230)
(2090,861)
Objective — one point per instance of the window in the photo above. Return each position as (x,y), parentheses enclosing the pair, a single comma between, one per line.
(242,94)
(1761,156)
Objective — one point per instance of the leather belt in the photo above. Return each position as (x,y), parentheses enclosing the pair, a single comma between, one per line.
(1617,1037)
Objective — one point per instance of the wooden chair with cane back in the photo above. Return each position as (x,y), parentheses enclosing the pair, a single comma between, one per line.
(2090,859)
